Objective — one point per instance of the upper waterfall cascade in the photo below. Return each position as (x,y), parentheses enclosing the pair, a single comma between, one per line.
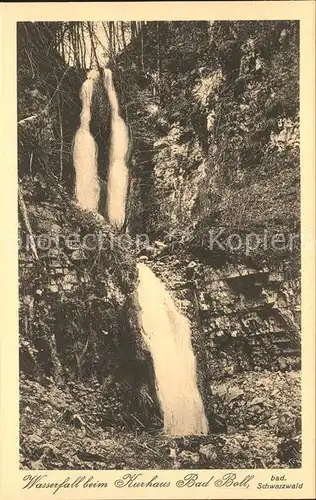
(117,184)
(85,152)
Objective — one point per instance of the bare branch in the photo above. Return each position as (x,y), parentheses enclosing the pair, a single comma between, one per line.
(29,118)
(26,221)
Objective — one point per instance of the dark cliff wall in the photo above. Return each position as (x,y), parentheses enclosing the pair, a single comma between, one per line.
(75,298)
(48,103)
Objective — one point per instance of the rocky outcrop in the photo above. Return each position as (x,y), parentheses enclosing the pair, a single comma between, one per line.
(246,319)
(217,148)
(75,298)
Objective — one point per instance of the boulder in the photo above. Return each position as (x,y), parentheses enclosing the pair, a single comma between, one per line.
(188,458)
(208,453)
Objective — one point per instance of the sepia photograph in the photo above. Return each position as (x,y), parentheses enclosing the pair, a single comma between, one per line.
(159,209)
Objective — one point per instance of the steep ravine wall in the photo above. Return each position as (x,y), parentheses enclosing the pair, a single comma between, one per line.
(216,139)
(217,148)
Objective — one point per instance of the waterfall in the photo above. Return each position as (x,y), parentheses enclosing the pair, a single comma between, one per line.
(117,184)
(167,335)
(87,189)
(165,331)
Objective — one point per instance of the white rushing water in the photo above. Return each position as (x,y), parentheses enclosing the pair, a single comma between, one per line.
(168,337)
(165,331)
(87,188)
(117,184)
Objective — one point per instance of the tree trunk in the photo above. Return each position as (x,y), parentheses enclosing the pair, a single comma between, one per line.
(84,48)
(159,65)
(117,37)
(142,25)
(133,29)
(123,34)
(61,150)
(27,224)
(111,39)
(93,49)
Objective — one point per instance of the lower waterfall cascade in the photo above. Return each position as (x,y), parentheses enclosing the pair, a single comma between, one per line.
(167,334)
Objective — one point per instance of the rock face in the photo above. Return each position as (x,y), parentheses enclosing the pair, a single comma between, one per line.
(245,316)
(76,311)
(219,151)
(250,320)
(219,147)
